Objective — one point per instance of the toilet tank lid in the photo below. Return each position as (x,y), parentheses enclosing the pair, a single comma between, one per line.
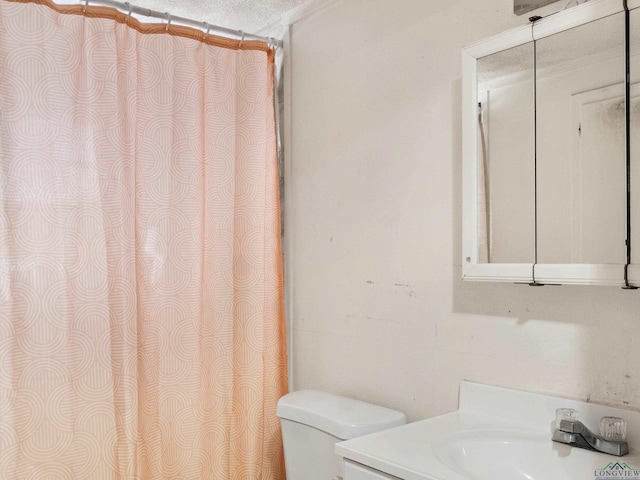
(341,417)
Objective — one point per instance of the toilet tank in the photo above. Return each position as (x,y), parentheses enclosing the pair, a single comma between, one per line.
(313,421)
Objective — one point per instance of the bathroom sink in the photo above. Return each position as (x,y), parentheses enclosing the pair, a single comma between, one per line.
(511,455)
(496,434)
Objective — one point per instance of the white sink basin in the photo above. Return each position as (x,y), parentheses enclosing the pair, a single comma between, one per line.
(503,455)
(496,434)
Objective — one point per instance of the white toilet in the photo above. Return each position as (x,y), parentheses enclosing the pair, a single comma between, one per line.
(312,422)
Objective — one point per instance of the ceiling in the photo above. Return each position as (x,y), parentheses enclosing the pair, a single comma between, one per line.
(246,15)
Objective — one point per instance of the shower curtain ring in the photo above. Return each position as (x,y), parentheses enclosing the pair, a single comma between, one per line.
(168,20)
(130,9)
(241,39)
(208,27)
(86,4)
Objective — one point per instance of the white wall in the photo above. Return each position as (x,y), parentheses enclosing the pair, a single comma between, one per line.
(378,309)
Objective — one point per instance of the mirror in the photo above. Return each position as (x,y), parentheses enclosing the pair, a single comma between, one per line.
(547,155)
(581,162)
(505,213)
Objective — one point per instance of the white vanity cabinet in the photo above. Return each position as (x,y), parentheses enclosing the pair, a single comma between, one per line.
(355,471)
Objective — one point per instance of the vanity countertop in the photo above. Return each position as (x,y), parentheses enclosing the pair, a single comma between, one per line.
(492,425)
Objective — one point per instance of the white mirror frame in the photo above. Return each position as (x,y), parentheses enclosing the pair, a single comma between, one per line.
(531,273)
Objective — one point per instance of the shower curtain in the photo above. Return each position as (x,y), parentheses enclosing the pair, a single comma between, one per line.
(141,310)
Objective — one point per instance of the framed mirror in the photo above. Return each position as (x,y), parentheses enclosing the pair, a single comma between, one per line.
(580,162)
(545,153)
(498,169)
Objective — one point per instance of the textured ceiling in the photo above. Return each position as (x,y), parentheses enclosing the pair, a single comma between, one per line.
(247,15)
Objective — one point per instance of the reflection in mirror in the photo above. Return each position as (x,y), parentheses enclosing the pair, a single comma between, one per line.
(635,134)
(505,156)
(581,172)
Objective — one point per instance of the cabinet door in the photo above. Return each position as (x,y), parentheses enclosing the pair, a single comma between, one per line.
(498,190)
(545,149)
(580,161)
(355,471)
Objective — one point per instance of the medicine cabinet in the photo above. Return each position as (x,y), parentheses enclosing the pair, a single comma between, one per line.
(551,150)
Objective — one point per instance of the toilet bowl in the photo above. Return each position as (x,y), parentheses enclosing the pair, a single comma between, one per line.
(313,422)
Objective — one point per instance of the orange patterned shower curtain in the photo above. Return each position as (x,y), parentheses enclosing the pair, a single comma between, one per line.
(141,310)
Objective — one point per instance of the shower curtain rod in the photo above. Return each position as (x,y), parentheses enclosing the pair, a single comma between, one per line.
(204,27)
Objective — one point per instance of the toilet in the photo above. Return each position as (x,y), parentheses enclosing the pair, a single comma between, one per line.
(313,422)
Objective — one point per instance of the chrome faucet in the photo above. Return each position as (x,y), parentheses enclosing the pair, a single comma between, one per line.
(575,433)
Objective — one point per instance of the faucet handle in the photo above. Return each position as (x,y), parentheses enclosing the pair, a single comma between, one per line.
(613,429)
(566,414)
